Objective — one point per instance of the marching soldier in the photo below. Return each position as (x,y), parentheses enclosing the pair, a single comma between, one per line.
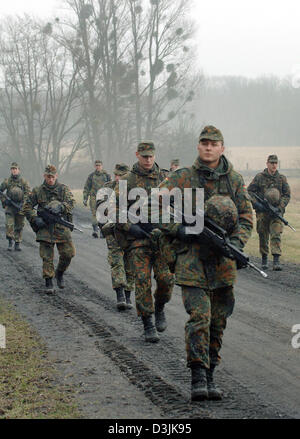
(273,186)
(121,273)
(205,277)
(95,181)
(17,189)
(144,257)
(59,199)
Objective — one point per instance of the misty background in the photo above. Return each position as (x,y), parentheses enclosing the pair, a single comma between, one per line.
(100,76)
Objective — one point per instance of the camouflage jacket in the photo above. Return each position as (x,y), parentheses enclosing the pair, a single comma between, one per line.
(8,184)
(40,197)
(95,181)
(196,266)
(264,180)
(137,178)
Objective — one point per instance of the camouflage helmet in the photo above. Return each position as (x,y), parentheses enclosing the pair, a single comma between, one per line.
(273,196)
(16,194)
(222,210)
(53,204)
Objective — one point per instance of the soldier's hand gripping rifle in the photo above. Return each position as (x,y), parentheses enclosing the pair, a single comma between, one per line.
(268,208)
(219,239)
(52,218)
(10,202)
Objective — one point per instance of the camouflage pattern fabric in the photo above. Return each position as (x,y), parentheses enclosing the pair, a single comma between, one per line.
(42,196)
(66,252)
(193,269)
(14,220)
(208,311)
(94,182)
(121,271)
(143,261)
(269,228)
(143,256)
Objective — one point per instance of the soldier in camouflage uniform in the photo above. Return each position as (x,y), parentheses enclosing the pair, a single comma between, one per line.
(207,278)
(269,227)
(121,273)
(144,256)
(59,198)
(17,189)
(174,165)
(95,181)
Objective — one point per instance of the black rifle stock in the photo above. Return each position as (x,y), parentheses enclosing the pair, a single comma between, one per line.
(268,208)
(17,206)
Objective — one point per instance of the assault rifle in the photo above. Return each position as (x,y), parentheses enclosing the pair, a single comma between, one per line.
(218,239)
(10,202)
(268,208)
(52,218)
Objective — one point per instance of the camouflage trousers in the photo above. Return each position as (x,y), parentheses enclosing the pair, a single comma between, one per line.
(93,210)
(204,330)
(14,226)
(143,260)
(118,259)
(66,252)
(269,228)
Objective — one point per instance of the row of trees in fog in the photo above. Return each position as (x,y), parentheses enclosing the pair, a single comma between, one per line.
(101,76)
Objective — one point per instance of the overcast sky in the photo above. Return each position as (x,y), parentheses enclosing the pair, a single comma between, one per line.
(235,37)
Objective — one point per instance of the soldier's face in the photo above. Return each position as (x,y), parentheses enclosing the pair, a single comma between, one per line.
(98,168)
(272,167)
(50,179)
(210,152)
(15,171)
(146,161)
(117,177)
(174,167)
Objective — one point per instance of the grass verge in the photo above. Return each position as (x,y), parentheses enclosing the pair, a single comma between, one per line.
(28,383)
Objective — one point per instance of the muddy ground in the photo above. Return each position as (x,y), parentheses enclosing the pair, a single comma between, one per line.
(103,354)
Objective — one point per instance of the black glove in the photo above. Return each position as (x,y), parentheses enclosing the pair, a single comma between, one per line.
(183,235)
(136,231)
(258,206)
(38,223)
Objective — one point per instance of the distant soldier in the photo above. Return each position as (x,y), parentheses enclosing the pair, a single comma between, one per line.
(273,186)
(95,181)
(60,200)
(121,273)
(144,257)
(205,276)
(174,165)
(17,189)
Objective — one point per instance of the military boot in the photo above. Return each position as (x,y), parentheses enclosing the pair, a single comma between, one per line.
(276,263)
(214,393)
(199,383)
(128,300)
(95,232)
(160,318)
(17,247)
(150,333)
(9,248)
(49,286)
(59,279)
(264,262)
(121,303)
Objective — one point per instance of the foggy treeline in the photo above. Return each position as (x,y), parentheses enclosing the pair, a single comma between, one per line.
(105,74)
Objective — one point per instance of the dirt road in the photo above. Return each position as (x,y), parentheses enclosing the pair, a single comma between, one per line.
(102,352)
